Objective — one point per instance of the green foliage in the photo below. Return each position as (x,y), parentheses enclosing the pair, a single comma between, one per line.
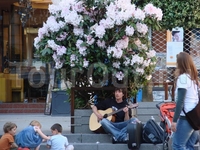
(177,13)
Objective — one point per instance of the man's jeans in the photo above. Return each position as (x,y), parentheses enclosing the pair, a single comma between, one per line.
(185,137)
(117,129)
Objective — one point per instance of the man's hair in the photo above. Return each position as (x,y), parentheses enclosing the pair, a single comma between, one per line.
(121,89)
(57,127)
(35,123)
(8,126)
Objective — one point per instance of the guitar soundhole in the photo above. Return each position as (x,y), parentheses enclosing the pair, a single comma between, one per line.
(105,116)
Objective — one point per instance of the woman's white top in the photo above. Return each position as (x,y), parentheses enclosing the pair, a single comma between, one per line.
(191,97)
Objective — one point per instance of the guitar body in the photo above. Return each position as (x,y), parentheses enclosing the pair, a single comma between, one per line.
(94,125)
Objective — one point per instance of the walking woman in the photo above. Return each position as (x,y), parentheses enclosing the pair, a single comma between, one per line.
(186,74)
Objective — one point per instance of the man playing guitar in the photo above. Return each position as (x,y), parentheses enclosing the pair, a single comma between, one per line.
(123,115)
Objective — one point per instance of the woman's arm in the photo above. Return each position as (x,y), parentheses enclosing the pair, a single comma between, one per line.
(180,103)
(179,106)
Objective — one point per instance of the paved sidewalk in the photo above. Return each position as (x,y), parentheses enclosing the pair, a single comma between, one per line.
(23,120)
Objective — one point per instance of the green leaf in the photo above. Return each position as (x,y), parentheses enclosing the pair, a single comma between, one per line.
(46,51)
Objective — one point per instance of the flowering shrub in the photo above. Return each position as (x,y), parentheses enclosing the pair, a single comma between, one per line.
(103,41)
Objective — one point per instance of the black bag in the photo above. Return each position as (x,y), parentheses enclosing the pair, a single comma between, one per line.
(153,133)
(193,116)
(134,131)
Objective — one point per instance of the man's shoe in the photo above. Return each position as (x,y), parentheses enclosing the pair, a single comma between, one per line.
(114,140)
(125,140)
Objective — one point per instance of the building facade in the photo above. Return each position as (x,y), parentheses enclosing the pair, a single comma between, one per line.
(22,75)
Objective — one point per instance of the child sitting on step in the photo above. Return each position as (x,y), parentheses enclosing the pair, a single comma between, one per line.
(31,136)
(58,141)
(7,140)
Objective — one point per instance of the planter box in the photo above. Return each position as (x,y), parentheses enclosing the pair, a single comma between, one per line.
(60,104)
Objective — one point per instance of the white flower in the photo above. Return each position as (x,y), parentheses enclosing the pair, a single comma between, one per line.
(107,23)
(123,43)
(127,61)
(85,63)
(140,70)
(100,31)
(61,50)
(36,40)
(129,30)
(142,28)
(151,53)
(136,59)
(73,58)
(148,77)
(78,43)
(150,9)
(101,44)
(111,11)
(73,18)
(53,25)
(116,65)
(58,65)
(78,31)
(117,53)
(90,39)
(52,44)
(159,14)
(54,9)
(139,14)
(153,11)
(82,50)
(146,63)
(110,50)
(62,36)
(119,75)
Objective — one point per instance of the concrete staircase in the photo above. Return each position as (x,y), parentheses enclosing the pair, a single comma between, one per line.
(84,139)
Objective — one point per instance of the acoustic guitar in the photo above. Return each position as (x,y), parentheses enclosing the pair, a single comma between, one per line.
(94,124)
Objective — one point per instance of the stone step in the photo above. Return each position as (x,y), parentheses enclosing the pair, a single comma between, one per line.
(104,142)
(99,142)
(107,146)
(148,109)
